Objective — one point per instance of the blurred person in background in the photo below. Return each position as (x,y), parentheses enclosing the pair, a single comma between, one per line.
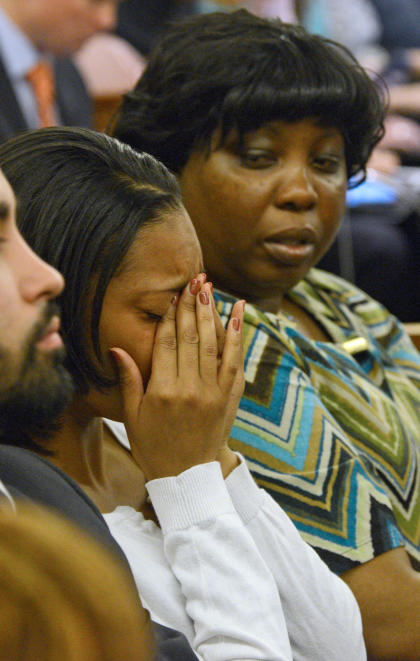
(39,83)
(141,22)
(386,42)
(284,9)
(53,606)
(112,62)
(381,231)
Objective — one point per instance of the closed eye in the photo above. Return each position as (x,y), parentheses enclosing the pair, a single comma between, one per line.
(154,316)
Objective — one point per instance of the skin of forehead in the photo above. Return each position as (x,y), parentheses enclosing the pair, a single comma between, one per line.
(148,245)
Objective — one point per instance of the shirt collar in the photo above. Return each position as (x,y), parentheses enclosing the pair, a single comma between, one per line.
(18,53)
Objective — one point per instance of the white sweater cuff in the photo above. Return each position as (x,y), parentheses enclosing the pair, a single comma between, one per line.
(197,495)
(246,496)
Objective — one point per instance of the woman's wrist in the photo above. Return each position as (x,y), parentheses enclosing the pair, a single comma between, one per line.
(228,460)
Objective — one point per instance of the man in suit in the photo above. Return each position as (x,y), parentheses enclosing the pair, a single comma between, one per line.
(42,31)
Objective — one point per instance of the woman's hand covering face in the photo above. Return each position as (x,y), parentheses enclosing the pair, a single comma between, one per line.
(185,415)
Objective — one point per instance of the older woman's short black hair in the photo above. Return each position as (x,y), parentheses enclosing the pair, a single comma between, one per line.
(82,198)
(239,71)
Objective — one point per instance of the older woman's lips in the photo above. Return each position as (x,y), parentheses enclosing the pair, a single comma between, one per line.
(51,338)
(291,249)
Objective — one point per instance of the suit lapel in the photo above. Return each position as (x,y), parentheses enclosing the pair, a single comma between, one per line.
(11,118)
(73,100)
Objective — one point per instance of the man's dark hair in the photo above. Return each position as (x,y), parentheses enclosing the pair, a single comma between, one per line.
(82,198)
(239,71)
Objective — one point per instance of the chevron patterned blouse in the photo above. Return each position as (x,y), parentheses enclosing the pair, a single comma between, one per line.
(332,429)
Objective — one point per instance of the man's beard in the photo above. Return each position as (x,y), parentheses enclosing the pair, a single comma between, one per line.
(31,404)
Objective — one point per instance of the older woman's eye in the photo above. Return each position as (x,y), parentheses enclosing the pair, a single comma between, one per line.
(256,159)
(327,163)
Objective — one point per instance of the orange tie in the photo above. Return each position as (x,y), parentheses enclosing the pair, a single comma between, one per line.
(41,77)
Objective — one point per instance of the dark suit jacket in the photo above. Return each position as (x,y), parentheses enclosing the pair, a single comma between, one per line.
(73,101)
(28,476)
(142,22)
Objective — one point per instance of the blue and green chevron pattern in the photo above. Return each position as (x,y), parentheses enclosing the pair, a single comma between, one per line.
(333,436)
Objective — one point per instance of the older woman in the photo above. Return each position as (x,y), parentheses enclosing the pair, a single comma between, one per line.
(264,124)
(213,556)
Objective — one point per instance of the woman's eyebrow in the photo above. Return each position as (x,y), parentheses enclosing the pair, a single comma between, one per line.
(170,290)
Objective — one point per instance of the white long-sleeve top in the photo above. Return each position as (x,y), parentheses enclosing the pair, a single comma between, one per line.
(322,616)
(229,569)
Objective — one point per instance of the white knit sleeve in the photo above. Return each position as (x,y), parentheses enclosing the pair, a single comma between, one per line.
(230,594)
(322,616)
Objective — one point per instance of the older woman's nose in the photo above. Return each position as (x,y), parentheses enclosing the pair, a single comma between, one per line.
(295,190)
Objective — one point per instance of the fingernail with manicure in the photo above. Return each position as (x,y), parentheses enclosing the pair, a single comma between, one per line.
(236,323)
(195,286)
(204,297)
